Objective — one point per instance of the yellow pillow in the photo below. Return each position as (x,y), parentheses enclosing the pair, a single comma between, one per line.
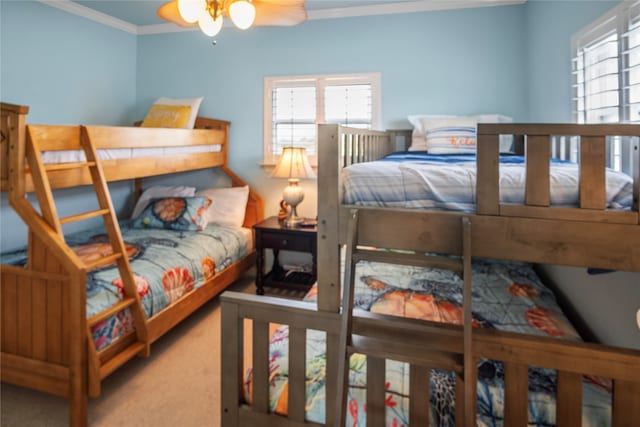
(167,116)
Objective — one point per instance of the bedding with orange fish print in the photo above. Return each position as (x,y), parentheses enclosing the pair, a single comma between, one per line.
(166,264)
(505,295)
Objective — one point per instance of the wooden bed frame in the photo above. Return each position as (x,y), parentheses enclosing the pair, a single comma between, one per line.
(588,235)
(45,335)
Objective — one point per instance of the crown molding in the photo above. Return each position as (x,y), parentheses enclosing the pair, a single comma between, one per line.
(145,30)
(344,12)
(92,14)
(405,7)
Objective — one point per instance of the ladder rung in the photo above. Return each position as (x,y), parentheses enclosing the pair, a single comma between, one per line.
(105,314)
(66,166)
(105,260)
(122,357)
(401,352)
(418,260)
(83,216)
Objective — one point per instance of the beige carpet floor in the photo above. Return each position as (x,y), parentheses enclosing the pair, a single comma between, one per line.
(178,385)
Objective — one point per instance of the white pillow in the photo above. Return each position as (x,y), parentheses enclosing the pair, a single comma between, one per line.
(228,206)
(194,103)
(158,191)
(419,143)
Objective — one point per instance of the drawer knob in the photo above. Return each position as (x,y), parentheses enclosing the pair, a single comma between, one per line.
(284,243)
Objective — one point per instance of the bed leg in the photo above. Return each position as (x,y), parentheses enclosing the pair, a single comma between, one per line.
(78,414)
(231,366)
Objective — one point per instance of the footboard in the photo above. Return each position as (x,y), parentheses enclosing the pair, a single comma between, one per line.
(237,357)
(405,340)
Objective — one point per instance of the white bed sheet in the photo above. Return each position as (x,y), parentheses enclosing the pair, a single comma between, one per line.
(65,156)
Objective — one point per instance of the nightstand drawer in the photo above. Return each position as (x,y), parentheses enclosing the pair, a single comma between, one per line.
(288,242)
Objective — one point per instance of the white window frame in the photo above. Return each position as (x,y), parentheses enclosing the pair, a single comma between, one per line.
(620,151)
(320,81)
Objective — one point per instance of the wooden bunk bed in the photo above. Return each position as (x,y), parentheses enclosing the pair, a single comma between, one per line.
(587,235)
(46,337)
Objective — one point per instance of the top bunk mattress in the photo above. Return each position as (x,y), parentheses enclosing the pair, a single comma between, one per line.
(72,156)
(417,180)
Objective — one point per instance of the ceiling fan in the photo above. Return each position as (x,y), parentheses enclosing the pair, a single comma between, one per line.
(209,14)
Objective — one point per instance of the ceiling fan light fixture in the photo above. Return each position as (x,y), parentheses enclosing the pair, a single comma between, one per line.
(242,13)
(191,10)
(208,25)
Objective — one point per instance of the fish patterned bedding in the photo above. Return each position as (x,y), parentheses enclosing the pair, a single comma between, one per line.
(506,296)
(417,180)
(166,264)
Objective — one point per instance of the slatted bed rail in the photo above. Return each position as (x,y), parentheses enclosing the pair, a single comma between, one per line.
(362,145)
(263,312)
(419,343)
(592,145)
(571,361)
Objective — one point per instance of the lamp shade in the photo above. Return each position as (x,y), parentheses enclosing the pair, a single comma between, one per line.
(293,163)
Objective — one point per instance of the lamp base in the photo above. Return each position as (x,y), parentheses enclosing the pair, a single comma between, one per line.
(293,220)
(293,195)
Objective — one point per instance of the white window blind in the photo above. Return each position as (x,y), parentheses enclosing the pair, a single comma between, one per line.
(295,105)
(294,118)
(606,78)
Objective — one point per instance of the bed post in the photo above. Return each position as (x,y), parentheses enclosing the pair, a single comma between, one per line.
(328,218)
(14,118)
(636,178)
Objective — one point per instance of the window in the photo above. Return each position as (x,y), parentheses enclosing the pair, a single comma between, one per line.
(295,105)
(606,78)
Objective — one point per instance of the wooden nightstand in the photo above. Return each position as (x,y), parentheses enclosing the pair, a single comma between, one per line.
(270,234)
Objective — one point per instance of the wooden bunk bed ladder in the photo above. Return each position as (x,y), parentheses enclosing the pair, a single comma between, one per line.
(131,299)
(420,358)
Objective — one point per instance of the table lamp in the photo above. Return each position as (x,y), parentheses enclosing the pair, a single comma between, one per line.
(293,165)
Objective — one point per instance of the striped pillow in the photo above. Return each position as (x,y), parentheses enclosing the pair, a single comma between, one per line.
(450,135)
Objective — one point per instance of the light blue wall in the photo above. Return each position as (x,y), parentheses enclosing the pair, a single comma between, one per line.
(441,62)
(68,70)
(548,64)
(513,60)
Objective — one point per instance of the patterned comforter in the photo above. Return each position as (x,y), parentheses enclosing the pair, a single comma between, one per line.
(506,296)
(166,265)
(416,180)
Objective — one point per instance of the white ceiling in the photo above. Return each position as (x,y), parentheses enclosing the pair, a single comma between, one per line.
(139,16)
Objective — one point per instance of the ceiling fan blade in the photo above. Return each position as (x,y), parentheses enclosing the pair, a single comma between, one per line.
(279,12)
(268,13)
(169,12)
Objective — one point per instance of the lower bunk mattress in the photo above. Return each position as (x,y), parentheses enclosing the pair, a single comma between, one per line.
(166,264)
(506,296)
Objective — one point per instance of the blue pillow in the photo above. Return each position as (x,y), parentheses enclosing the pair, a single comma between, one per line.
(174,213)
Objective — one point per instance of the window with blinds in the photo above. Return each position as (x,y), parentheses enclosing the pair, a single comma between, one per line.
(606,78)
(295,105)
